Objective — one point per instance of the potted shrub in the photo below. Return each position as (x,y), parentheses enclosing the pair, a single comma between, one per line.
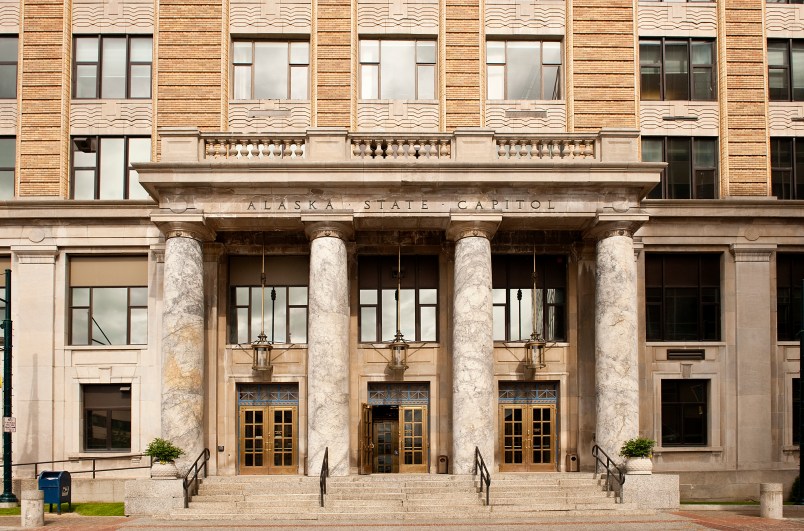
(164,454)
(638,452)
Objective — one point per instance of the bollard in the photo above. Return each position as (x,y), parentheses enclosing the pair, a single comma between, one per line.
(770,500)
(32,511)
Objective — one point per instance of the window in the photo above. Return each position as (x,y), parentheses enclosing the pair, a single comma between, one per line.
(796,403)
(8,67)
(513,297)
(677,69)
(283,304)
(113,67)
(784,1)
(685,409)
(418,298)
(397,70)
(682,297)
(101,167)
(786,70)
(109,300)
(691,171)
(8,155)
(523,70)
(787,165)
(789,272)
(270,70)
(107,417)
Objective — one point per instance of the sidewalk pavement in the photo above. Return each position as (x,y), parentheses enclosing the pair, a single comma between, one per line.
(685,520)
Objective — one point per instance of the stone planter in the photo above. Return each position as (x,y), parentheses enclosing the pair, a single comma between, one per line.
(639,465)
(164,470)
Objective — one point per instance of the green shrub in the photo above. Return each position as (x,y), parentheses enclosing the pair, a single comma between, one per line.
(163,451)
(637,447)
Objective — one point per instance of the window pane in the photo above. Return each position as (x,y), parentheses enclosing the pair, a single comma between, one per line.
(552,83)
(297,296)
(276,313)
(678,169)
(109,316)
(369,51)
(521,314)
(86,83)
(407,311)
(426,52)
(141,50)
(84,184)
(676,70)
(8,49)
(498,321)
(388,315)
(111,168)
(139,326)
(551,53)
(705,184)
(705,153)
(299,53)
(96,433)
(140,81)
(270,70)
(297,327)
(428,323)
(428,296)
(798,71)
(6,185)
(242,82)
(496,82)
(523,71)
(121,430)
(703,84)
(86,49)
(7,152)
(113,82)
(426,82)
(397,70)
(702,53)
(8,81)
(80,326)
(241,53)
(80,297)
(139,150)
(138,296)
(368,324)
(368,296)
(650,56)
(369,82)
(298,83)
(495,52)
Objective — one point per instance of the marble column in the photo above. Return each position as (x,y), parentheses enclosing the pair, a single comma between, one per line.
(473,391)
(616,353)
(328,346)
(183,342)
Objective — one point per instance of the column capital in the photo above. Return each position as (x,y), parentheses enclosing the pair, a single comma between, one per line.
(752,252)
(336,225)
(608,225)
(183,226)
(473,225)
(35,254)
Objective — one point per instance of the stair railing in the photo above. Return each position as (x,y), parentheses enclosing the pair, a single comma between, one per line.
(192,482)
(485,477)
(614,475)
(324,475)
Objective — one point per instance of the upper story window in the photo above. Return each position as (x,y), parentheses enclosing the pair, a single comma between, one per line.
(101,167)
(523,70)
(418,298)
(789,272)
(518,308)
(398,70)
(8,150)
(280,311)
(8,67)
(266,70)
(777,1)
(677,69)
(113,67)
(691,171)
(787,165)
(682,297)
(108,300)
(786,70)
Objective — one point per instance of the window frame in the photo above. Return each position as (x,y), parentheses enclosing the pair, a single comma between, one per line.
(786,70)
(12,168)
(663,43)
(87,409)
(95,142)
(362,63)
(694,169)
(793,186)
(14,63)
(681,418)
(661,307)
(789,272)
(98,63)
(89,307)
(251,64)
(254,292)
(558,92)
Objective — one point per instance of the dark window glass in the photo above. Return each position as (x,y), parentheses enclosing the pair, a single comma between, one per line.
(677,69)
(101,167)
(112,67)
(786,70)
(107,417)
(8,153)
(685,408)
(789,272)
(418,298)
(8,67)
(691,171)
(518,309)
(787,165)
(682,297)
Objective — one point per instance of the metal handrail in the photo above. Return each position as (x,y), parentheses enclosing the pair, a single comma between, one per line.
(615,474)
(485,477)
(84,458)
(322,483)
(194,469)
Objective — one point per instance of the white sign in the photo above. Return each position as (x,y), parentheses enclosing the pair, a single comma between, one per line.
(9,424)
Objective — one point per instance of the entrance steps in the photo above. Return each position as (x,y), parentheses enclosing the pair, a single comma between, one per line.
(387,497)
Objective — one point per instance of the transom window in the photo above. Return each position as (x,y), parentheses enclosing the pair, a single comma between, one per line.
(787,165)
(515,304)
(789,272)
(418,298)
(108,301)
(8,67)
(677,69)
(682,297)
(786,70)
(271,70)
(397,70)
(101,167)
(523,70)
(8,155)
(685,410)
(107,417)
(691,171)
(113,66)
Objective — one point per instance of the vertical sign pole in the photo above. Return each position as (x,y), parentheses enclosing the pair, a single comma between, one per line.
(8,494)
(800,497)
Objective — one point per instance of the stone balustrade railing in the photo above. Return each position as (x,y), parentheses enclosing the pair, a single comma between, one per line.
(333,145)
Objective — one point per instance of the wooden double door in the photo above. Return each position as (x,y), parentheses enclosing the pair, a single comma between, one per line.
(528,437)
(268,440)
(393,439)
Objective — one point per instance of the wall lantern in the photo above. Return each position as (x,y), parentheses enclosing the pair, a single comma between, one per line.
(534,349)
(399,347)
(261,349)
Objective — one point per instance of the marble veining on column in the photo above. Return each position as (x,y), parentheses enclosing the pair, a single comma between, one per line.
(472,353)
(328,357)
(183,346)
(616,359)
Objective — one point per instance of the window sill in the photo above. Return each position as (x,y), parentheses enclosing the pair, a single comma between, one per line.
(74,101)
(787,343)
(384,101)
(682,344)
(87,348)
(276,346)
(110,454)
(790,448)
(411,344)
(521,344)
(687,449)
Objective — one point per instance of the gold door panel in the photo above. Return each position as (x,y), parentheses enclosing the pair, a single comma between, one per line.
(527,438)
(268,440)
(413,443)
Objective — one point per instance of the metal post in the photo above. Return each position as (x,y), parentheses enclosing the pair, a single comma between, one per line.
(8,494)
(800,497)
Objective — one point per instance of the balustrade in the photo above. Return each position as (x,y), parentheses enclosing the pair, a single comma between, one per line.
(254,148)
(540,148)
(401,148)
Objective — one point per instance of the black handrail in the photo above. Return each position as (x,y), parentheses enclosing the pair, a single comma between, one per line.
(613,472)
(86,458)
(194,469)
(485,477)
(322,484)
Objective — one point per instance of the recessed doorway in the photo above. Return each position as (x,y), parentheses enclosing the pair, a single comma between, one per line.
(268,428)
(528,426)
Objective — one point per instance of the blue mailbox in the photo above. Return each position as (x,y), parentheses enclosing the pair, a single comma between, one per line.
(57,487)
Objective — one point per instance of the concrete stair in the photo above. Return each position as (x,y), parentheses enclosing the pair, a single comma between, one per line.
(389,497)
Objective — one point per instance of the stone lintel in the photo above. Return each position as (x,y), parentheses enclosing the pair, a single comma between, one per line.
(752,252)
(472,225)
(608,225)
(183,226)
(338,224)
